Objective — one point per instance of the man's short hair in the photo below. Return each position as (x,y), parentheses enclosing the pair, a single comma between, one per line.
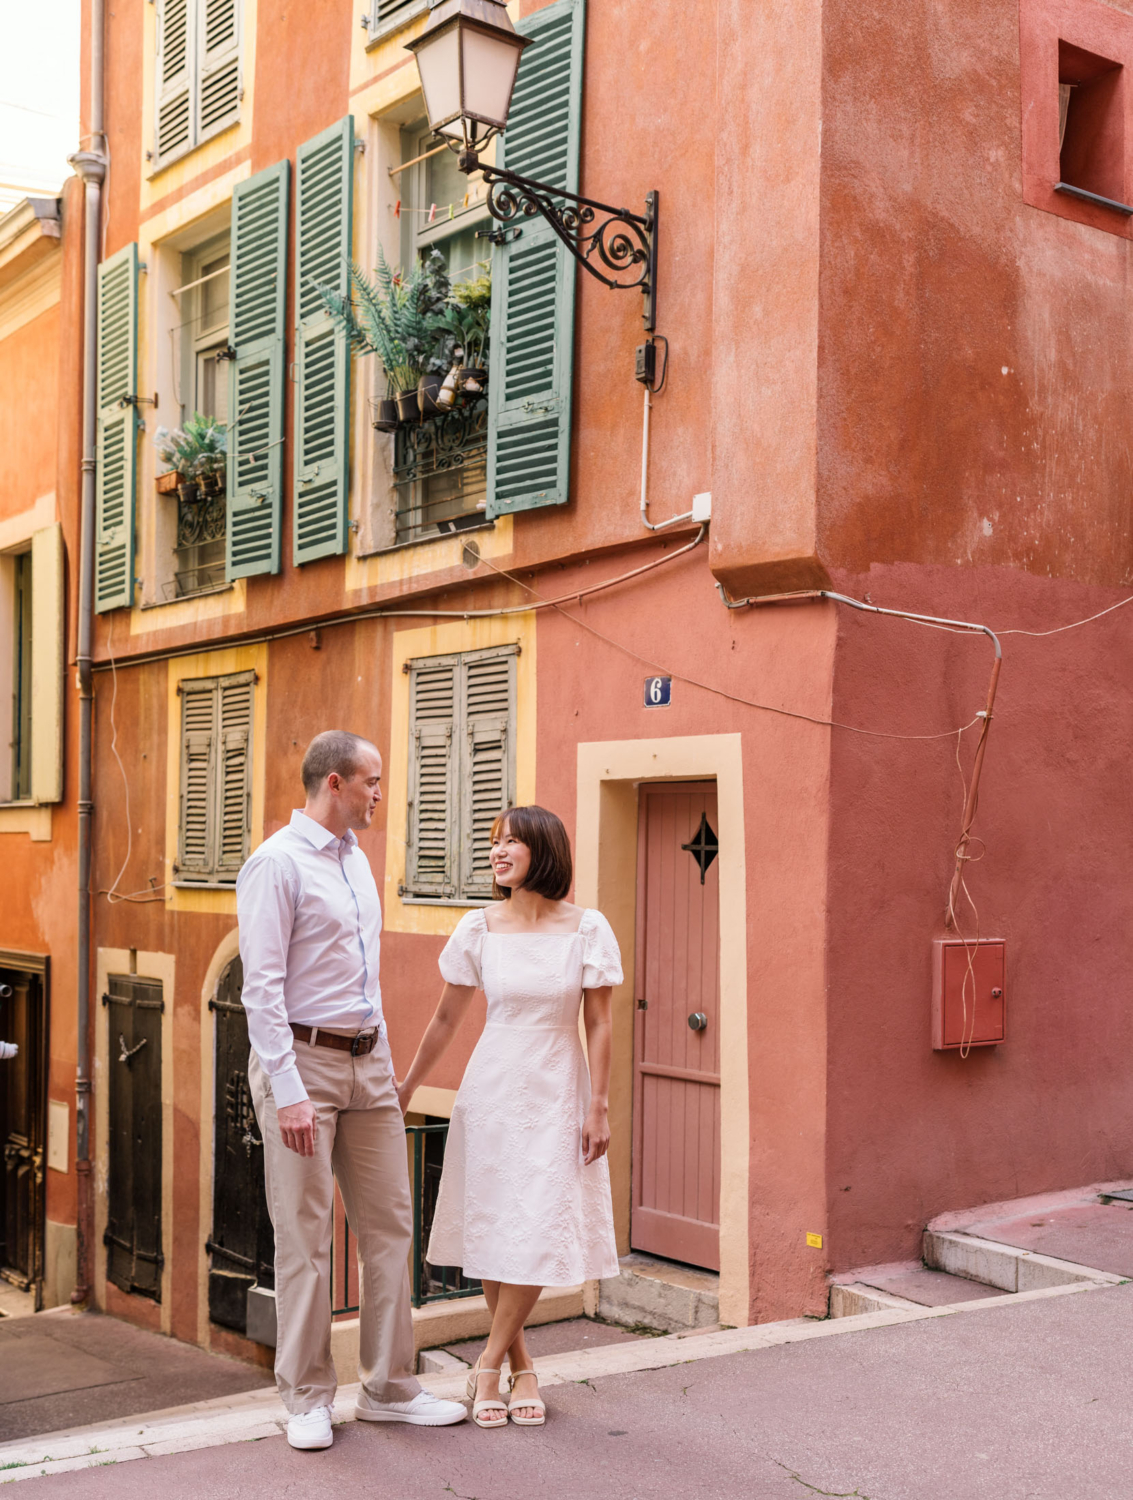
(334,750)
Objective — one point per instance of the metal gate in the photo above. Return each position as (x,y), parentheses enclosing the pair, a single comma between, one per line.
(242,1243)
(133,1231)
(23,1107)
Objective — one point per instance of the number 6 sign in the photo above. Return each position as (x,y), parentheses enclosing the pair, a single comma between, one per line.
(658,692)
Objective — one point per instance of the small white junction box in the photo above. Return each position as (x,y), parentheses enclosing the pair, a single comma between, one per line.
(702,507)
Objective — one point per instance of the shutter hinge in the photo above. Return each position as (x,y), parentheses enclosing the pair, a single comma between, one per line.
(360,144)
(405,667)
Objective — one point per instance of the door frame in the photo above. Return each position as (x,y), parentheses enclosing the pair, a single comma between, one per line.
(606,849)
(38,966)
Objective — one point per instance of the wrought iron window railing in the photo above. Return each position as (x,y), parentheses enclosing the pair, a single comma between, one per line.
(201,526)
(428,1283)
(440,472)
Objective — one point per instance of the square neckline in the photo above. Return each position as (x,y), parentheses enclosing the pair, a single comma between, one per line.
(576,933)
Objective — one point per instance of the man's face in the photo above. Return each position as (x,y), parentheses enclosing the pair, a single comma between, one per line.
(360,794)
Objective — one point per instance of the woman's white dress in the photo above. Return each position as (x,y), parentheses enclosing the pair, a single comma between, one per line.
(516,1202)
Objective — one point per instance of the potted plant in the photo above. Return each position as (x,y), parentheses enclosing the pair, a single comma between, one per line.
(196,454)
(395,317)
(467,319)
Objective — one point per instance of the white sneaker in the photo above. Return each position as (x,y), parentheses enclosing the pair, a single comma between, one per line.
(310,1429)
(425,1410)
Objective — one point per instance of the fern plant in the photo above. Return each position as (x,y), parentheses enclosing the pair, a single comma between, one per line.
(399,318)
(196,451)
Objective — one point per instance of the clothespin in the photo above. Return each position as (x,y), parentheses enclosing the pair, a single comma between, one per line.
(432,212)
(465,203)
(397,209)
(451,214)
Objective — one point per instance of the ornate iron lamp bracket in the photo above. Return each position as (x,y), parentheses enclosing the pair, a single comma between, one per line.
(619,249)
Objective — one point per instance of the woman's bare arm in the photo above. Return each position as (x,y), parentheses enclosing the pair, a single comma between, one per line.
(596,1007)
(450,1012)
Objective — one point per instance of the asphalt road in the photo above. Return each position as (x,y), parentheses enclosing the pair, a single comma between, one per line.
(1030,1401)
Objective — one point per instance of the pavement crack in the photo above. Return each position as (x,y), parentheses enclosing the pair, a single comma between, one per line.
(816,1490)
(448,1490)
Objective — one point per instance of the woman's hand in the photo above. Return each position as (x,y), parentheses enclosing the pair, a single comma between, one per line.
(404,1094)
(595,1134)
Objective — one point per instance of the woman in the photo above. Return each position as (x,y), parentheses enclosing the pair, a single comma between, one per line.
(524,1200)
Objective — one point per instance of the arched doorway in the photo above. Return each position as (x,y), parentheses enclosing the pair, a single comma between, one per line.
(242,1244)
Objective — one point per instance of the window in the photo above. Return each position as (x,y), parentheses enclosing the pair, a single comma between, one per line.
(198,73)
(1073,56)
(461,770)
(1091,109)
(387,15)
(216,779)
(440,466)
(31,669)
(203,390)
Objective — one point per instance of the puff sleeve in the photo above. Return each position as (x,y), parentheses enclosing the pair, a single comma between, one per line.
(459,962)
(601,957)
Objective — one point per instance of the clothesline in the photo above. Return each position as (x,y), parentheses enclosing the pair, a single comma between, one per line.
(434,209)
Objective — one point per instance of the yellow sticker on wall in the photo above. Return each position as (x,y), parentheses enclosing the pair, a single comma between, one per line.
(814,1241)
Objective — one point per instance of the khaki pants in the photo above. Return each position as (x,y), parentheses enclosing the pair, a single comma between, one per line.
(360,1141)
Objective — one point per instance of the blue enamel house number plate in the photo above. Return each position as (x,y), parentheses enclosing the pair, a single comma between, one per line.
(658,692)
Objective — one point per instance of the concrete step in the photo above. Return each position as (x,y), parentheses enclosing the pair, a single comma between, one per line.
(905,1284)
(659,1294)
(1004,1266)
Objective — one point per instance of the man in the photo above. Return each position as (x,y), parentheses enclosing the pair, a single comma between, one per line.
(323,1087)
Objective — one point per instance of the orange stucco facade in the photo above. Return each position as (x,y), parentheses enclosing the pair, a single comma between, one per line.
(897,375)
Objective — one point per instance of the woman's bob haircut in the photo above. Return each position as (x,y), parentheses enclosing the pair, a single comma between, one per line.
(552,869)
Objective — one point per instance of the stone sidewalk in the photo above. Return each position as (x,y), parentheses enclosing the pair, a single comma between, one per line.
(1025,1397)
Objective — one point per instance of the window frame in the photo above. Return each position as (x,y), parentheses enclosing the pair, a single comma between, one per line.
(195,28)
(215,875)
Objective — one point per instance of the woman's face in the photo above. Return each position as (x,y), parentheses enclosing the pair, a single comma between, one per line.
(511,860)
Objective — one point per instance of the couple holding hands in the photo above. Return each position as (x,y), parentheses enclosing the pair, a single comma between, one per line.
(524,1200)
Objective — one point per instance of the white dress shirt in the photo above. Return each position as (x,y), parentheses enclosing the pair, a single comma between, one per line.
(310,930)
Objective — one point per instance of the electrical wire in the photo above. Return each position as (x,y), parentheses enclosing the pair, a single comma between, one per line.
(666,671)
(1074,624)
(112,895)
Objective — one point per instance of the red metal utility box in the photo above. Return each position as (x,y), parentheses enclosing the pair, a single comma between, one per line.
(982,987)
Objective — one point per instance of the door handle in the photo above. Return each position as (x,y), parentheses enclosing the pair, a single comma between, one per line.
(697,1021)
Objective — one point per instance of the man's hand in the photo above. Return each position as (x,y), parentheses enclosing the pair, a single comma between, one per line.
(404,1095)
(297,1125)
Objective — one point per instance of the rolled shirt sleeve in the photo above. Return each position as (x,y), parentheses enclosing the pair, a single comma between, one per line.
(265,909)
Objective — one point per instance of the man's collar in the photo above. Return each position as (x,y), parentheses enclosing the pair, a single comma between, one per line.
(316,834)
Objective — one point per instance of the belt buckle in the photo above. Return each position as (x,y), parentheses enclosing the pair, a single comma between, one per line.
(356,1047)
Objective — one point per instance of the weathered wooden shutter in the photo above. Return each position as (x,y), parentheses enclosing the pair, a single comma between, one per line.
(255,406)
(533,277)
(324,198)
(431,855)
(196,844)
(218,63)
(234,767)
(48,662)
(132,1237)
(174,127)
(117,447)
(487,775)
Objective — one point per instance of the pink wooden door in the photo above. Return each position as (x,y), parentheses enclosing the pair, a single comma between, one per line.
(675,1210)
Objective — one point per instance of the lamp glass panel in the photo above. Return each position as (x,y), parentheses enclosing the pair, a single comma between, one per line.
(490,66)
(438,63)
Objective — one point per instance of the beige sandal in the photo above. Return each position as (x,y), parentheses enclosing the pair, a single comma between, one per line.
(479,1406)
(517,1403)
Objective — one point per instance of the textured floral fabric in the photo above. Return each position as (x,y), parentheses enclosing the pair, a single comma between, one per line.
(516,1202)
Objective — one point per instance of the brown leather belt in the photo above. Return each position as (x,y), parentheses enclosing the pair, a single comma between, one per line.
(357,1046)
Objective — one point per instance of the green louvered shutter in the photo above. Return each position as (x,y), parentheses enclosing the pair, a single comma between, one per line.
(533,276)
(487,776)
(117,451)
(197,832)
(255,401)
(324,197)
